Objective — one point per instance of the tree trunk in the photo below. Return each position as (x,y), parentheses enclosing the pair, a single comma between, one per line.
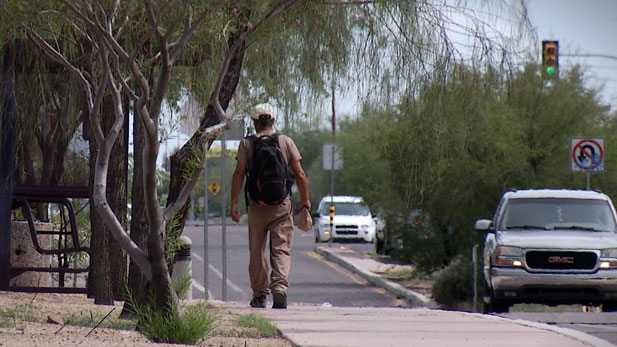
(179,160)
(138,283)
(105,284)
(99,278)
(117,188)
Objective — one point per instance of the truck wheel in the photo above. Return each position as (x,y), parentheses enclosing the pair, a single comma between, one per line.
(609,306)
(498,306)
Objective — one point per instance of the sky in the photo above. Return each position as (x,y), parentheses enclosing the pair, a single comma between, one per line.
(582,27)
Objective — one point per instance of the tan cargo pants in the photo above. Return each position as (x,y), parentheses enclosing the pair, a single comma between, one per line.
(278,221)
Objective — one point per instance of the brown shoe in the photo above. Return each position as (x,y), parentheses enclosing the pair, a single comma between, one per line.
(258,301)
(280,299)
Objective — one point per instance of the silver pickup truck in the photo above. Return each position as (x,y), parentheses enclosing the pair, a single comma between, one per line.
(552,247)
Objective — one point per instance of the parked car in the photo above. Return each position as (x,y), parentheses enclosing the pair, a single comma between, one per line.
(395,230)
(352,219)
(551,247)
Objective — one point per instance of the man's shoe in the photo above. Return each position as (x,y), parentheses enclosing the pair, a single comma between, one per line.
(259,301)
(280,299)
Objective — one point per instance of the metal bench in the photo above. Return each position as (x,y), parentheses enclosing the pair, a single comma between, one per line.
(66,234)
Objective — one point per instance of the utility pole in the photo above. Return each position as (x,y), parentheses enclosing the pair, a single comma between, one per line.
(332,211)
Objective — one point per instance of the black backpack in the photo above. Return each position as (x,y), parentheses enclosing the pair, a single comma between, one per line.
(269,181)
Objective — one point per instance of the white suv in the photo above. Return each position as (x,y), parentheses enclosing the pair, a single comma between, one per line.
(352,219)
(551,246)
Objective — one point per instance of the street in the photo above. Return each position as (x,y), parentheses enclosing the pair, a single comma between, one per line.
(313,280)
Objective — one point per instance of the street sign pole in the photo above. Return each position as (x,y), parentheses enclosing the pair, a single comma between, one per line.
(206,222)
(332,164)
(332,195)
(224,215)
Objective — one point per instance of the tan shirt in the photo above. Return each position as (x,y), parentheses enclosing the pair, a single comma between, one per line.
(288,147)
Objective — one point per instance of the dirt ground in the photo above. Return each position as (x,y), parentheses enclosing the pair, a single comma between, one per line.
(25,322)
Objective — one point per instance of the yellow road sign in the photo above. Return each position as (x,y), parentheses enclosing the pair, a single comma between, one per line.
(214,187)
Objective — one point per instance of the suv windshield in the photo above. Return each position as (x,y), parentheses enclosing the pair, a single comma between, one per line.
(346,209)
(557,213)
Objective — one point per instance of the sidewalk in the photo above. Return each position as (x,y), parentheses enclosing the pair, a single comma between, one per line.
(310,326)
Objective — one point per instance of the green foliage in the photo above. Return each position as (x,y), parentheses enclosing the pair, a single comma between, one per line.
(260,323)
(189,325)
(92,319)
(413,240)
(11,317)
(453,148)
(183,283)
(454,284)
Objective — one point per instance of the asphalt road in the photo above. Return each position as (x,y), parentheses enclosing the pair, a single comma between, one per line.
(313,280)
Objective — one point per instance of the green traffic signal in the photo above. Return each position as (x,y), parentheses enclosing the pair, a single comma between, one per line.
(550,57)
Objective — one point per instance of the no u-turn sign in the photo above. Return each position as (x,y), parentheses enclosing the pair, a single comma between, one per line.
(587,154)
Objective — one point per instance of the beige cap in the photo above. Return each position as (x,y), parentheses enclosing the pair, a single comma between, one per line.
(263,109)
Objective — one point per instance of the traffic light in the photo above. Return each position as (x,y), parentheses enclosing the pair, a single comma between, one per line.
(550,58)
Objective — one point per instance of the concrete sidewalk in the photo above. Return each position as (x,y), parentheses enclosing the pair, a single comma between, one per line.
(310,326)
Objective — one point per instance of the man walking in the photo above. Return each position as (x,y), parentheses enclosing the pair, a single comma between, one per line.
(267,214)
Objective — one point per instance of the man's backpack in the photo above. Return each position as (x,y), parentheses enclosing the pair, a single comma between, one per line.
(269,181)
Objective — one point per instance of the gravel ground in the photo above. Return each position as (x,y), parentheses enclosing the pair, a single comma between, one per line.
(25,322)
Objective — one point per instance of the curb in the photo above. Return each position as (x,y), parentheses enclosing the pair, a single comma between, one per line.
(420,300)
(416,299)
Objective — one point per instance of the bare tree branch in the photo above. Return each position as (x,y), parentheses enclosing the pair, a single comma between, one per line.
(219,83)
(185,193)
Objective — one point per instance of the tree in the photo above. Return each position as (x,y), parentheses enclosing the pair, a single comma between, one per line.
(102,30)
(453,159)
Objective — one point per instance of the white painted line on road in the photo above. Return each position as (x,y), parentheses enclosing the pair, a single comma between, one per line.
(219,274)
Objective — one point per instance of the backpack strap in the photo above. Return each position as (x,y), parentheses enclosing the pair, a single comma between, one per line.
(252,139)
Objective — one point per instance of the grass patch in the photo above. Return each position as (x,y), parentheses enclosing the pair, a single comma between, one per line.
(259,323)
(94,318)
(10,317)
(189,325)
(400,273)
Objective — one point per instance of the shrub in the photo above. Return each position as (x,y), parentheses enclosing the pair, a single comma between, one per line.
(416,241)
(454,284)
(187,325)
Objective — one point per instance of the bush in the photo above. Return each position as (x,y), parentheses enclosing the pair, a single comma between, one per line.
(413,240)
(188,325)
(454,284)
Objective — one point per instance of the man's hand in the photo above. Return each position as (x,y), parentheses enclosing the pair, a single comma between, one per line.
(235,215)
(307,204)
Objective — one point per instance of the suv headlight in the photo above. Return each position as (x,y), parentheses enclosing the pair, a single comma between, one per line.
(608,258)
(508,256)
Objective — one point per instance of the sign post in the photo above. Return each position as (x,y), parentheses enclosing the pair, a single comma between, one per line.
(587,155)
(331,161)
(235,132)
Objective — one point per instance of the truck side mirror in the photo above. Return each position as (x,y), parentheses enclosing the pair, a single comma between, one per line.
(483,225)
